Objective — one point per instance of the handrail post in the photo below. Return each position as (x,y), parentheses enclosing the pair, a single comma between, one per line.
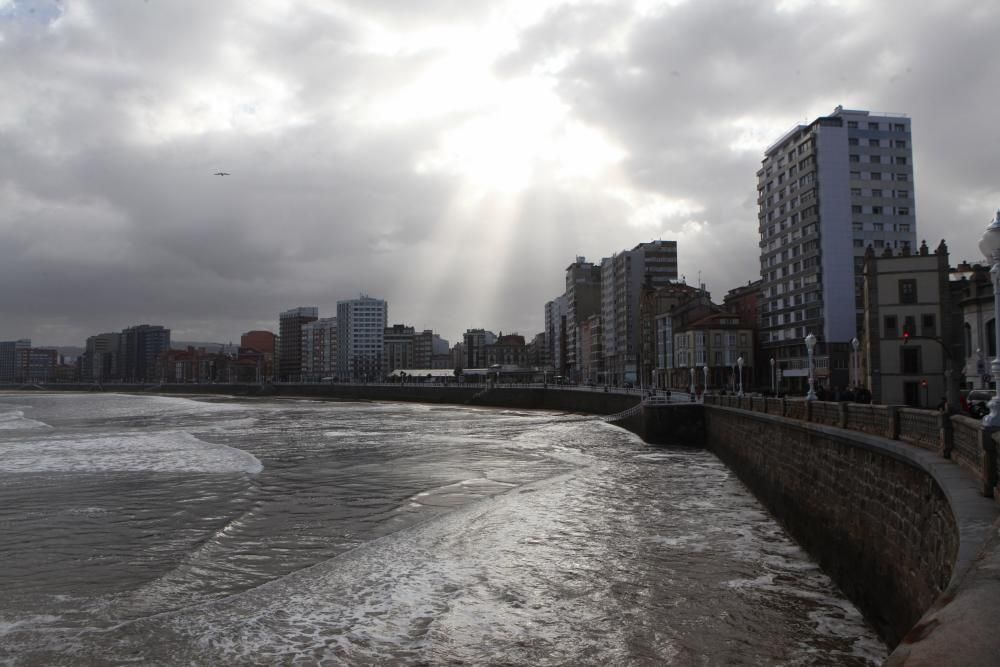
(892,427)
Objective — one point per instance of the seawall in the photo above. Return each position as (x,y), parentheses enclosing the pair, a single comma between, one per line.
(908,535)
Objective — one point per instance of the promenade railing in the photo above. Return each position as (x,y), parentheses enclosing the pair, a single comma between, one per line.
(957,437)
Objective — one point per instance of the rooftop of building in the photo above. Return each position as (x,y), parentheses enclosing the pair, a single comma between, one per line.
(839,113)
(906,253)
(301,311)
(750,287)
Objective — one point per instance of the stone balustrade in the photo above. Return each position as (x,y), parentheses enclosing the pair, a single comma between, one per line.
(960,438)
(823,412)
(796,410)
(871,419)
(921,428)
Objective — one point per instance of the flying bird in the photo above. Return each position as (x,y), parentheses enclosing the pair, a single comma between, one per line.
(222,173)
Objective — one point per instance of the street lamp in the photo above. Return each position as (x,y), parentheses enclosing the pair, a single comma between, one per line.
(810,344)
(774,381)
(705,390)
(739,362)
(989,245)
(856,366)
(692,380)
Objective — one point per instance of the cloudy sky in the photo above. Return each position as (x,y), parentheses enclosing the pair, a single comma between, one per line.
(450,156)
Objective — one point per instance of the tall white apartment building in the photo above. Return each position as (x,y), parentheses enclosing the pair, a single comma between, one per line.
(360,336)
(622,278)
(319,349)
(825,192)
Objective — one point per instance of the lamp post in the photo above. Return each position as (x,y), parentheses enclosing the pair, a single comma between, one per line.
(739,363)
(774,380)
(980,368)
(989,245)
(692,380)
(856,366)
(705,391)
(810,344)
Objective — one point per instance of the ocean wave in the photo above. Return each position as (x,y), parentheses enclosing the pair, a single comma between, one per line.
(166,451)
(12,419)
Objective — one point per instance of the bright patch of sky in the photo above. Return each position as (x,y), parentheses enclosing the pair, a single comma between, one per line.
(452,157)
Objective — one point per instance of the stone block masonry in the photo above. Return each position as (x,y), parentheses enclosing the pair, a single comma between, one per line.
(878,525)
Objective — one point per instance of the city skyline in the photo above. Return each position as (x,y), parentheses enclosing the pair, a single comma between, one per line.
(452,160)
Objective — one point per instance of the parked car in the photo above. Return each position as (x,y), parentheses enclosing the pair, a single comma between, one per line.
(977,400)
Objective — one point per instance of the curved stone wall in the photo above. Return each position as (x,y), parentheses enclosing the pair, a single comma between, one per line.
(898,528)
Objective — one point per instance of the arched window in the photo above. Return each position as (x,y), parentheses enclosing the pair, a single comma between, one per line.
(991,338)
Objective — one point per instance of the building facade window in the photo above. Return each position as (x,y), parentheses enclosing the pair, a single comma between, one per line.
(928,325)
(891,327)
(908,291)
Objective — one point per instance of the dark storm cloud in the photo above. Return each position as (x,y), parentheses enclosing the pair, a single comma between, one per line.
(115,115)
(104,226)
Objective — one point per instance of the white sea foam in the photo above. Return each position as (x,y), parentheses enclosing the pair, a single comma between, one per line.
(457,493)
(7,626)
(349,433)
(12,419)
(690,543)
(166,451)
